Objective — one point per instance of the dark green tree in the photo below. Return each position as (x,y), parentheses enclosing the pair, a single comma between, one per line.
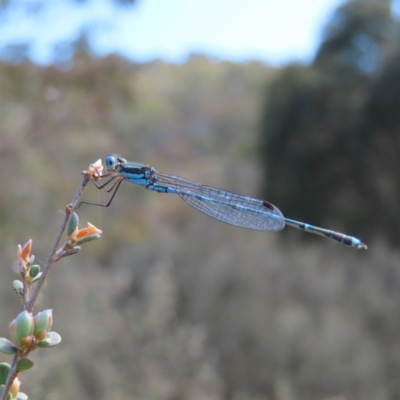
(376,157)
(311,148)
(358,37)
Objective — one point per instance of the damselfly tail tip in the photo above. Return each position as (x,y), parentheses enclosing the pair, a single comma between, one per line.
(362,246)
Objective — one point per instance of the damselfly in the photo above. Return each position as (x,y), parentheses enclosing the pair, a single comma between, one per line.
(222,205)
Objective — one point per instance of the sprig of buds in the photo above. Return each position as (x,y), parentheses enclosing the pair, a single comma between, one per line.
(29,332)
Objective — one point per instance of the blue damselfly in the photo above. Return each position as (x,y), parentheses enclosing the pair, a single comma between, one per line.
(222,205)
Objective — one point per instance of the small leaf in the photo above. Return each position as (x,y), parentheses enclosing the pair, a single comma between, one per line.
(7,347)
(72,224)
(23,364)
(18,288)
(34,270)
(36,278)
(89,238)
(21,396)
(4,370)
(52,339)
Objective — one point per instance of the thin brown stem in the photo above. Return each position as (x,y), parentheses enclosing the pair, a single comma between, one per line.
(27,288)
(10,378)
(51,259)
(54,255)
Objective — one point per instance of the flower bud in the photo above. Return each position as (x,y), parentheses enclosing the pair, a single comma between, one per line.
(24,326)
(25,251)
(84,235)
(14,389)
(95,170)
(43,322)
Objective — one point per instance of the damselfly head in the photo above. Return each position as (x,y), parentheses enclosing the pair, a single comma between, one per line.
(113,161)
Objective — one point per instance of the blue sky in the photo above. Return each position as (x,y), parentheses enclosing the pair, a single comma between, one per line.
(274,31)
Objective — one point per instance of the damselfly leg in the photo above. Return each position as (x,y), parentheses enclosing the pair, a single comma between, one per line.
(112,189)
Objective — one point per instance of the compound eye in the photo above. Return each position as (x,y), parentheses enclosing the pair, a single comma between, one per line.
(110,163)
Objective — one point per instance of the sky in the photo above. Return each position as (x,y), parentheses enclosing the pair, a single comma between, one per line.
(273,31)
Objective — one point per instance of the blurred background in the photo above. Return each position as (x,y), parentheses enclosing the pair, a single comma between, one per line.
(294,102)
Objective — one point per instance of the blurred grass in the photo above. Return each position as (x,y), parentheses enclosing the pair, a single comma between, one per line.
(171,304)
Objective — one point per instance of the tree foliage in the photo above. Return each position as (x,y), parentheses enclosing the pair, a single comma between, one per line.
(358,36)
(322,123)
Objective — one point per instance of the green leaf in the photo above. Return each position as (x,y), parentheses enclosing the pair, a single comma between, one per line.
(34,270)
(87,239)
(22,396)
(23,364)
(52,339)
(36,278)
(4,370)
(72,224)
(7,347)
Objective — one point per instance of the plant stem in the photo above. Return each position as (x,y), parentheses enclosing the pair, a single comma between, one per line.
(10,378)
(51,258)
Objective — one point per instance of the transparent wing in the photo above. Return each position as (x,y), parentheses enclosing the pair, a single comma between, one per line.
(223,205)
